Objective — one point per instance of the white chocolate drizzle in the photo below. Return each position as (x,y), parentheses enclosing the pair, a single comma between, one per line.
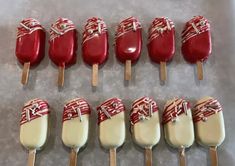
(60,27)
(127,25)
(194,27)
(28,26)
(160,26)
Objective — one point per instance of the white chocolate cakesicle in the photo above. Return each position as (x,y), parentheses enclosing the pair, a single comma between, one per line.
(178,123)
(145,124)
(34,124)
(209,122)
(75,123)
(111,120)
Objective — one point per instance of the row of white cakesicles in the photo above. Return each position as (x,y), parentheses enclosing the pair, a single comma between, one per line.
(179,124)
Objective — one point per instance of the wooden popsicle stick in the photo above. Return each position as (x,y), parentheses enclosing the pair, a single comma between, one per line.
(73,157)
(214,156)
(199,70)
(61,76)
(128,70)
(148,157)
(31,157)
(25,73)
(163,71)
(112,157)
(182,157)
(95,68)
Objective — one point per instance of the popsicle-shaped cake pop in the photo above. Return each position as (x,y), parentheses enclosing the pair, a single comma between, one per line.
(95,45)
(75,126)
(30,45)
(209,125)
(145,125)
(161,43)
(63,45)
(178,126)
(128,43)
(111,121)
(196,42)
(34,127)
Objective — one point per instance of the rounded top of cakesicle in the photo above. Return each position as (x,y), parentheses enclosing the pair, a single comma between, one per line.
(95,41)
(196,40)
(63,42)
(142,108)
(109,108)
(34,109)
(128,40)
(28,26)
(75,108)
(204,108)
(30,43)
(161,40)
(173,109)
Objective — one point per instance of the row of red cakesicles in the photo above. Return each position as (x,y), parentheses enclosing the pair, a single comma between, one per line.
(181,125)
(30,44)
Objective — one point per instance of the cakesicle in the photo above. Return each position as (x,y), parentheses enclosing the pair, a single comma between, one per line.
(209,125)
(75,126)
(178,126)
(111,121)
(95,45)
(30,45)
(145,125)
(196,42)
(128,43)
(63,45)
(34,127)
(161,43)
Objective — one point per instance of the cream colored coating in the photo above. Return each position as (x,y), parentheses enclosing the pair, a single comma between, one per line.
(180,133)
(112,131)
(146,133)
(212,131)
(75,132)
(33,134)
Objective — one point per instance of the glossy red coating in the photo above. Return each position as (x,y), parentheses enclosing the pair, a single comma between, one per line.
(95,42)
(30,42)
(63,42)
(161,40)
(196,40)
(128,40)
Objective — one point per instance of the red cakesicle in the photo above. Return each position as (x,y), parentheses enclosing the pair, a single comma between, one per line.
(196,42)
(63,45)
(95,45)
(128,43)
(30,45)
(161,43)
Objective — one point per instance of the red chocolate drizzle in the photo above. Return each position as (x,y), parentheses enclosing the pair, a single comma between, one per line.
(76,108)
(36,108)
(142,109)
(205,109)
(175,109)
(109,108)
